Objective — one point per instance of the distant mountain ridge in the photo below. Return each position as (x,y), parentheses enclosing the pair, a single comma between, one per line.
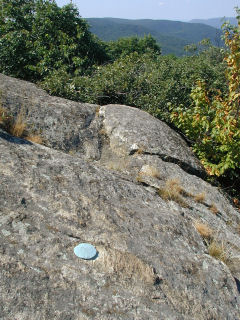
(215,22)
(172,35)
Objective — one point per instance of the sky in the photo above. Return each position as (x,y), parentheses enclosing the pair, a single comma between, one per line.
(182,10)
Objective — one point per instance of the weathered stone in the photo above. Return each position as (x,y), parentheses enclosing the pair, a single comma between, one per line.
(143,134)
(234,266)
(152,263)
(62,123)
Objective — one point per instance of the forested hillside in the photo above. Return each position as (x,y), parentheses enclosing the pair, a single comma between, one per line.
(172,35)
(198,94)
(216,22)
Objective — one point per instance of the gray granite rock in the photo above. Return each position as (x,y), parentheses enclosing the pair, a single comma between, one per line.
(62,123)
(152,262)
(130,134)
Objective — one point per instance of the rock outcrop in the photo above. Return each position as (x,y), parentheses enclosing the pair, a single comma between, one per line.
(117,178)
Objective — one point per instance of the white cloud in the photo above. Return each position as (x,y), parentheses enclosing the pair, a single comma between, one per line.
(161,3)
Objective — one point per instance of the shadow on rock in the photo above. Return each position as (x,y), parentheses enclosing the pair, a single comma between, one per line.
(12,139)
(238,284)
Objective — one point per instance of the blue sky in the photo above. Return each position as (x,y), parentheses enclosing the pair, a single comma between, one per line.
(183,10)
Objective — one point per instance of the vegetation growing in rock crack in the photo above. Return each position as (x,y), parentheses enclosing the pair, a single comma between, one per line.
(216,249)
(204,230)
(173,191)
(17,126)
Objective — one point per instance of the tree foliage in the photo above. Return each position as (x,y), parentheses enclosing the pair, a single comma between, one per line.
(213,121)
(148,81)
(126,46)
(37,37)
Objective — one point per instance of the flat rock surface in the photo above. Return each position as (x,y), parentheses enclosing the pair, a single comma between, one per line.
(152,262)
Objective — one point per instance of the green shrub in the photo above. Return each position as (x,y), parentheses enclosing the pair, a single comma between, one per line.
(126,46)
(213,120)
(147,81)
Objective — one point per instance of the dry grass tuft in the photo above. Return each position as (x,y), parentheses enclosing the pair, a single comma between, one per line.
(5,119)
(204,230)
(200,197)
(103,132)
(215,249)
(174,183)
(35,138)
(149,171)
(139,151)
(213,209)
(172,191)
(18,127)
(218,251)
(139,178)
(2,114)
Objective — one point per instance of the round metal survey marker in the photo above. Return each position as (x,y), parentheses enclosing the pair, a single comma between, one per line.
(85,251)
